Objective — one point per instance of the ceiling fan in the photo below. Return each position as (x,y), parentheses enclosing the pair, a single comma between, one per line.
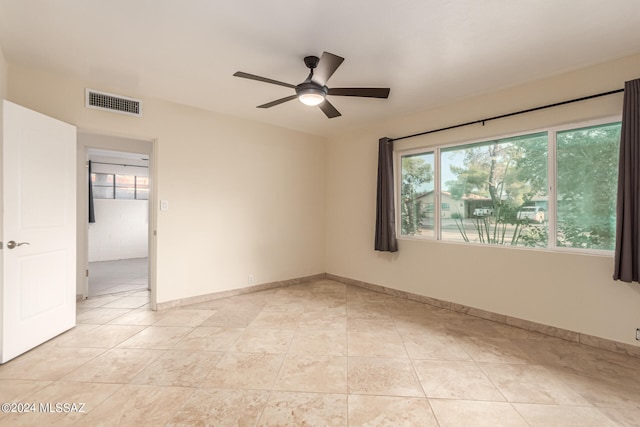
(313,91)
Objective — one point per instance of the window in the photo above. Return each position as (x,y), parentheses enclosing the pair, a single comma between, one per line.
(102,185)
(125,187)
(142,187)
(111,186)
(501,192)
(587,181)
(416,195)
(491,181)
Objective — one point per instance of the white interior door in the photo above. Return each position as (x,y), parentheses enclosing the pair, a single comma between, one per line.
(38,229)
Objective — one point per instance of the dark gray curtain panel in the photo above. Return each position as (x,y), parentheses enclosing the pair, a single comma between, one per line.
(627,255)
(385,207)
(92,214)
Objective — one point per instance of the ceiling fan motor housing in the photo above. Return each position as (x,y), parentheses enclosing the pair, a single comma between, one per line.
(309,87)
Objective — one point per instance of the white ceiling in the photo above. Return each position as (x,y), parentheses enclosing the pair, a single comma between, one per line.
(429,52)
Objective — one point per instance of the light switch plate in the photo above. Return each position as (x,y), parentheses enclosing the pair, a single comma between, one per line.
(164,205)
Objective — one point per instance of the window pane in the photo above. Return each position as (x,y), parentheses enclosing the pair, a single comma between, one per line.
(587,180)
(102,185)
(142,193)
(102,179)
(142,182)
(103,192)
(142,187)
(125,193)
(125,180)
(417,198)
(488,184)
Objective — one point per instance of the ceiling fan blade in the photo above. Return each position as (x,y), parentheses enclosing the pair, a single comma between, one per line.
(262,79)
(277,102)
(327,65)
(366,92)
(329,110)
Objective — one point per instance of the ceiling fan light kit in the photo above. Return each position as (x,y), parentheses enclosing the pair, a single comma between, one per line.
(310,99)
(310,93)
(313,91)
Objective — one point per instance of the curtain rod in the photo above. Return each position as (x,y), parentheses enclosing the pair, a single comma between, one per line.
(118,164)
(483,121)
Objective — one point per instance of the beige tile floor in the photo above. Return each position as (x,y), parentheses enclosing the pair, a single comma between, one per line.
(315,354)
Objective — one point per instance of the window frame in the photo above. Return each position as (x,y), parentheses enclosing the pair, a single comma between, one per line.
(552,174)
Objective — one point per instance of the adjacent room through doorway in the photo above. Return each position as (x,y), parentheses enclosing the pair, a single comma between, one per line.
(118,228)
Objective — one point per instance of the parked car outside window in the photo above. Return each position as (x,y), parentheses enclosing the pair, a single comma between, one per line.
(532,214)
(480,212)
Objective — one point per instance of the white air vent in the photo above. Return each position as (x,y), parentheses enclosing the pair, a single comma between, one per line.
(115,103)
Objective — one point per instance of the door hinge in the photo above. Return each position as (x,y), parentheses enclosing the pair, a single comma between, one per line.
(87,273)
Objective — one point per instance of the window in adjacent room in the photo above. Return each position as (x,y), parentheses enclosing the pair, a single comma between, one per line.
(103,185)
(112,186)
(142,187)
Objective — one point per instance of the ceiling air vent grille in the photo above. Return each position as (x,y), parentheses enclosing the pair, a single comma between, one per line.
(115,103)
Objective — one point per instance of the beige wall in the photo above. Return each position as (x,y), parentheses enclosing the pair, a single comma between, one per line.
(3,75)
(564,290)
(245,198)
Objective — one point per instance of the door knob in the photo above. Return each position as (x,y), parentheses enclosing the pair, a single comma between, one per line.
(11,244)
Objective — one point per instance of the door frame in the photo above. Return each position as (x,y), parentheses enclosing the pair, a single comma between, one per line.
(106,141)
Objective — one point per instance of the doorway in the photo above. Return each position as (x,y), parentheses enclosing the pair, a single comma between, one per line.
(118,229)
(116,251)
